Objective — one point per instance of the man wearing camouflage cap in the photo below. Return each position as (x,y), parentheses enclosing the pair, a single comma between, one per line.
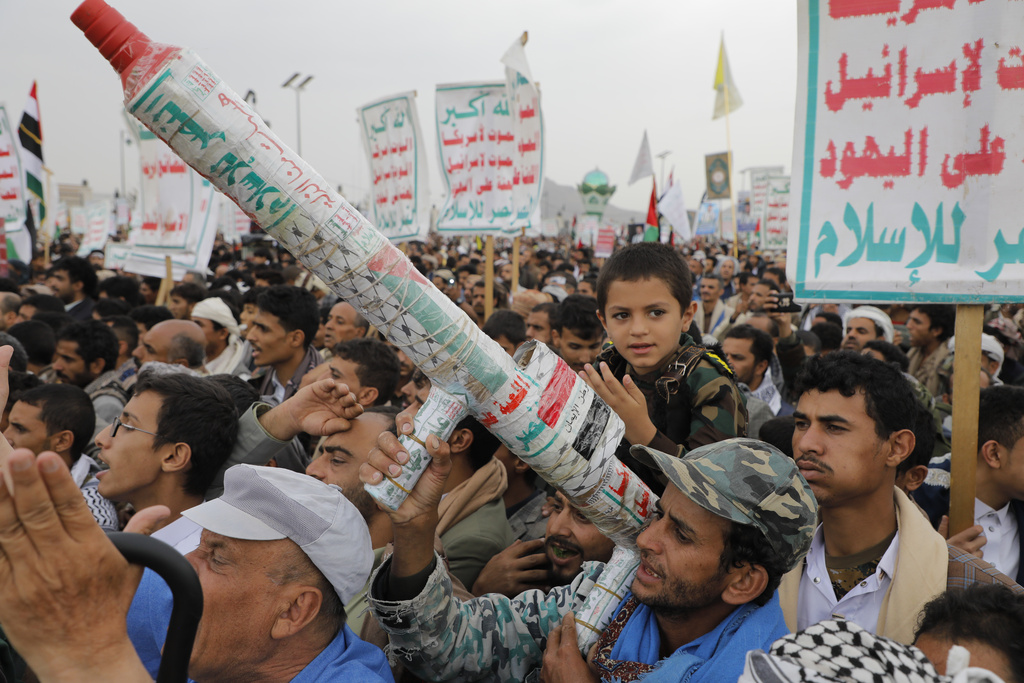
(735,516)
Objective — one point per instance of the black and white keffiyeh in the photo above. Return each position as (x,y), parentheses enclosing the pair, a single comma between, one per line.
(838,650)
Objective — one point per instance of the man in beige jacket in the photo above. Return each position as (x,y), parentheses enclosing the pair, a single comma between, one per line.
(874,560)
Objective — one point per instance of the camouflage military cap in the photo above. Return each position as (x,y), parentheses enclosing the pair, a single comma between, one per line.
(747,482)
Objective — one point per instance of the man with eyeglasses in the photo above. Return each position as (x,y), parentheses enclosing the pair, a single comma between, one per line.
(168,443)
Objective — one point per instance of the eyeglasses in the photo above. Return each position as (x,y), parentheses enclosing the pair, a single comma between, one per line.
(117,424)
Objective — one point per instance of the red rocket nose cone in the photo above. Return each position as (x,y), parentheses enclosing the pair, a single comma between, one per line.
(118,40)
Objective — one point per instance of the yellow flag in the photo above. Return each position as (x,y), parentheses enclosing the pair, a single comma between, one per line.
(723,82)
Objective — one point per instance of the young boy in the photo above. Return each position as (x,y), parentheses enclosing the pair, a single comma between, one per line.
(672,394)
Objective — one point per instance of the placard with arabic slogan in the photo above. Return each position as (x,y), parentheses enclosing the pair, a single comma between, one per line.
(478,150)
(908,158)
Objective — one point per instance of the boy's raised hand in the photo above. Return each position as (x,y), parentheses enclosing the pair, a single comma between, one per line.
(625,398)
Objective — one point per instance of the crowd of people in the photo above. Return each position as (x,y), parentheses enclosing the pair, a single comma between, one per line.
(800,455)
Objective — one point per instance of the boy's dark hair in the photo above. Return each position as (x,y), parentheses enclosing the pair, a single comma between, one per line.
(888,398)
(270,276)
(745,544)
(646,260)
(940,315)
(243,394)
(150,315)
(294,307)
(44,302)
(78,270)
(122,287)
(8,285)
(924,444)
(64,406)
(988,614)
(507,323)
(190,292)
(778,431)
(107,307)
(484,443)
(125,329)
(830,334)
(578,314)
(95,340)
(1001,415)
(836,320)
(890,352)
(376,365)
(38,338)
(761,346)
(196,412)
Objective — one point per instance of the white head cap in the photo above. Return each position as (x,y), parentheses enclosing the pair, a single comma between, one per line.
(214,308)
(270,503)
(871,313)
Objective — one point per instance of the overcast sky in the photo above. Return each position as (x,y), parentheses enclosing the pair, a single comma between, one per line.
(608,69)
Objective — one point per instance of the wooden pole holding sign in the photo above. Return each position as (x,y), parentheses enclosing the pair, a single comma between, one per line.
(514,285)
(967,394)
(167,284)
(489,278)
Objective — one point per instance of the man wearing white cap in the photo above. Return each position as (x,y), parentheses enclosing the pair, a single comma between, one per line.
(864,324)
(226,352)
(281,553)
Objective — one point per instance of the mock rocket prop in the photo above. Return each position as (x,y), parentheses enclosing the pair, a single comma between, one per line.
(539,407)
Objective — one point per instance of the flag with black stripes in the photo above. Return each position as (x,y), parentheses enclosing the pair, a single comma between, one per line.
(30,136)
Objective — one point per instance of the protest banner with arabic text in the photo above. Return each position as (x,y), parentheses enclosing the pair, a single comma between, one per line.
(908,154)
(528,128)
(99,224)
(775,227)
(759,189)
(12,191)
(478,154)
(390,130)
(173,199)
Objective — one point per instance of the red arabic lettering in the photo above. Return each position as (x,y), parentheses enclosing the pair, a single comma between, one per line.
(866,87)
(519,389)
(933,82)
(970,77)
(844,9)
(871,162)
(986,161)
(911,16)
(1011,77)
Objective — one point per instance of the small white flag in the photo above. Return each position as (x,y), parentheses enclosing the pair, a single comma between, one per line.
(644,165)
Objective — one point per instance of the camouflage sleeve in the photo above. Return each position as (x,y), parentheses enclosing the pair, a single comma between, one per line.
(719,410)
(439,637)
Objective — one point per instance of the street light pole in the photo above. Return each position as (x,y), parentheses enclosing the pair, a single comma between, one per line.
(298,109)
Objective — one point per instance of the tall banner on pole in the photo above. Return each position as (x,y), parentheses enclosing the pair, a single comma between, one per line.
(12,190)
(908,155)
(528,127)
(759,190)
(390,130)
(775,228)
(478,157)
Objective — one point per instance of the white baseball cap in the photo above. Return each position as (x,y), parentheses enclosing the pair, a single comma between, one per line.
(270,504)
